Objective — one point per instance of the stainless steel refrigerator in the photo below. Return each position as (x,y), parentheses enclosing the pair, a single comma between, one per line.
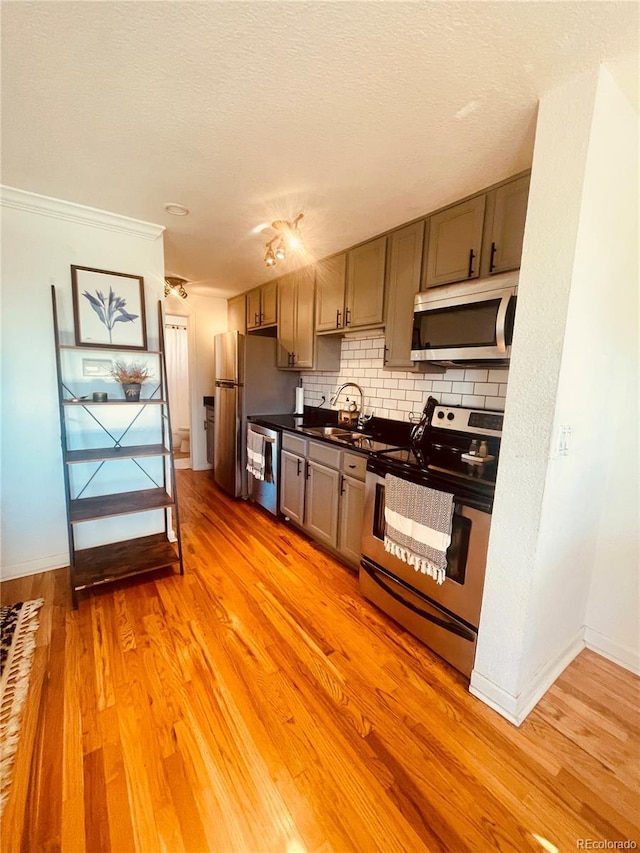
(247,382)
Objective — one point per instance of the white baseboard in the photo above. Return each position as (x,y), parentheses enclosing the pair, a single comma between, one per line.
(32,567)
(624,656)
(517,708)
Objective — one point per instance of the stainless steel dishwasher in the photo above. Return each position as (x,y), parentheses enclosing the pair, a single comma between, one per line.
(265,492)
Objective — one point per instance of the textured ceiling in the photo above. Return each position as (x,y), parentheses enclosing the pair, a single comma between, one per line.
(362,115)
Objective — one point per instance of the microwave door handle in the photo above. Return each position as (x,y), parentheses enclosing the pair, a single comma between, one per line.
(501,319)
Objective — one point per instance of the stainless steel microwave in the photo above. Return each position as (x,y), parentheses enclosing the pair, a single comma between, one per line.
(466,323)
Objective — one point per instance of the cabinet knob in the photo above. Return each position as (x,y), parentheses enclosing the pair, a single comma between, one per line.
(338,315)
(342,484)
(347,316)
(299,464)
(256,321)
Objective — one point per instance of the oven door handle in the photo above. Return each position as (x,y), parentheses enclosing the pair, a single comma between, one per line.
(451,625)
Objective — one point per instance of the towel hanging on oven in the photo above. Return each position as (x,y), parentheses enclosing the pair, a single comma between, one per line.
(418,524)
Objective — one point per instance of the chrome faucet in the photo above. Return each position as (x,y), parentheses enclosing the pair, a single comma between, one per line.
(358,411)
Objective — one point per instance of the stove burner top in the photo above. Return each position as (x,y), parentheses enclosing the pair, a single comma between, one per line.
(442,460)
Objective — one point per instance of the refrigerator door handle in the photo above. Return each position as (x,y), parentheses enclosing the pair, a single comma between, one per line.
(221,383)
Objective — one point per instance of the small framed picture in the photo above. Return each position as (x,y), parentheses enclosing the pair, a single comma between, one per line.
(108,309)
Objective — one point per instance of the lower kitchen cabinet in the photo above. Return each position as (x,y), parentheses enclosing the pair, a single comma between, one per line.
(292,485)
(321,503)
(351,512)
(322,491)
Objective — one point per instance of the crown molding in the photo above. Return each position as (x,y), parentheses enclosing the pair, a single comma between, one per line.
(70,212)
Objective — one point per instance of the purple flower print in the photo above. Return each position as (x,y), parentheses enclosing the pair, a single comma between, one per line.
(111,310)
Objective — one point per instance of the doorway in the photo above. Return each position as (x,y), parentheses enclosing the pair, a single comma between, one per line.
(176,335)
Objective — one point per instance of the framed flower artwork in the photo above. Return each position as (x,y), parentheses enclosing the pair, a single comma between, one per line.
(108,309)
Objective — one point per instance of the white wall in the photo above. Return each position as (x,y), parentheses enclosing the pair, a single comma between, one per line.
(548,509)
(207,317)
(610,207)
(41,238)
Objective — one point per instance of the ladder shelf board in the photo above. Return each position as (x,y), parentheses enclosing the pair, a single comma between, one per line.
(121,503)
(106,563)
(141,402)
(99,454)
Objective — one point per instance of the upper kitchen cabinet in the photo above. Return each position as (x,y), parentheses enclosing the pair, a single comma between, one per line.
(330,291)
(350,289)
(298,348)
(262,306)
(506,214)
(403,282)
(364,303)
(455,241)
(237,314)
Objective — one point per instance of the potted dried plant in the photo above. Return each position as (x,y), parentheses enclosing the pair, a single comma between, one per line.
(131,376)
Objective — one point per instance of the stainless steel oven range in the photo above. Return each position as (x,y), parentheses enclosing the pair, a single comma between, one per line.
(444,616)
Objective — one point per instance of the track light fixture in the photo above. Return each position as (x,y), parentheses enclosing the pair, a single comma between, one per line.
(174,284)
(288,237)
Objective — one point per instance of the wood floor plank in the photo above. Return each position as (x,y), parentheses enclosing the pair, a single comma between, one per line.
(259,703)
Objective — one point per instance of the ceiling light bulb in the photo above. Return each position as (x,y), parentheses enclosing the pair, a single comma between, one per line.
(280,251)
(269,257)
(294,241)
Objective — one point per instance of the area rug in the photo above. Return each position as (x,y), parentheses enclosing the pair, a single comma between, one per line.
(18,624)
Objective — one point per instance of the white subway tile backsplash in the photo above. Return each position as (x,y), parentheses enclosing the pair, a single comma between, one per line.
(486,388)
(441,387)
(454,374)
(462,387)
(396,393)
(472,401)
(451,399)
(494,403)
(476,375)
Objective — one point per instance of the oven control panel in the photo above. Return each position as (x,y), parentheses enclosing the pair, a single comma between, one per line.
(468,420)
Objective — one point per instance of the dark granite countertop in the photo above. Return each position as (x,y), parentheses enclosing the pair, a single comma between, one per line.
(380,434)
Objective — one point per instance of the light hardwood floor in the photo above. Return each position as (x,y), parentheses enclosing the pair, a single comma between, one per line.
(260,704)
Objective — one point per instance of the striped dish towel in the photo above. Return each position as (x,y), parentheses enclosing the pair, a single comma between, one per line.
(255,454)
(418,525)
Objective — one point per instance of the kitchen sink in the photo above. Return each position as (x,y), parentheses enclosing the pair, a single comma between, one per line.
(337,432)
(329,431)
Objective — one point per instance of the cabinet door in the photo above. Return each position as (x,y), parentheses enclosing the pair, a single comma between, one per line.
(365,284)
(455,238)
(253,308)
(237,314)
(292,483)
(351,514)
(287,322)
(403,282)
(507,230)
(304,332)
(330,287)
(269,304)
(321,503)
